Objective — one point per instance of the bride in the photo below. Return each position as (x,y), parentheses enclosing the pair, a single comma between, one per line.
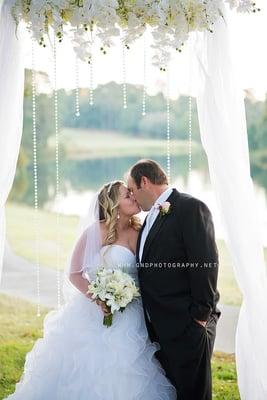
(78,357)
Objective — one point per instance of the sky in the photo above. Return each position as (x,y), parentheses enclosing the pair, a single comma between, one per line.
(248,37)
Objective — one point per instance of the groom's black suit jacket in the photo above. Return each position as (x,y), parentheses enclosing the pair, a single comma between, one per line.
(174,295)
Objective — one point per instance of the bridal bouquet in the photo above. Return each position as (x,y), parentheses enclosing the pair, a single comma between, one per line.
(115,288)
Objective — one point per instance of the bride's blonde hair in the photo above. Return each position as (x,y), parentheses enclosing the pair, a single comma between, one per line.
(108,200)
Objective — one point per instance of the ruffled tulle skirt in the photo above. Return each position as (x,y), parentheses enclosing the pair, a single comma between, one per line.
(79,358)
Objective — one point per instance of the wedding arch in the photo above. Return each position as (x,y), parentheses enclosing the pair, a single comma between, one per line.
(221,116)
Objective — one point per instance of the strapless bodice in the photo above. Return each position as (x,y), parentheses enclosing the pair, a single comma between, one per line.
(116,256)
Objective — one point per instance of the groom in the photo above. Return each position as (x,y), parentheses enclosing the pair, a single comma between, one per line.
(177,263)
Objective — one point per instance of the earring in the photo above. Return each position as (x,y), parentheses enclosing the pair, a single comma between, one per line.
(118,215)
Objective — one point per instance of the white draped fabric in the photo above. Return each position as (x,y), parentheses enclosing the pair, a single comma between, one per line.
(224,138)
(11,109)
(223,129)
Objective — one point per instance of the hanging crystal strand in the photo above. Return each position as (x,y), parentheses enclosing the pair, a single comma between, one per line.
(77,94)
(124,88)
(57,169)
(35,181)
(190,112)
(190,136)
(91,89)
(168,126)
(144,82)
(91,71)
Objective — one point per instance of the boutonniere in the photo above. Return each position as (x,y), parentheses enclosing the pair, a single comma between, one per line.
(164,208)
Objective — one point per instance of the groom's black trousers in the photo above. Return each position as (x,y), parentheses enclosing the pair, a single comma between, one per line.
(187,360)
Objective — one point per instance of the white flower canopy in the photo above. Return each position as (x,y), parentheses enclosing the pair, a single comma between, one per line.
(171,21)
(221,116)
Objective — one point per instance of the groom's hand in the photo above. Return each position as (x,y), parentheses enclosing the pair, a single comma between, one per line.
(203,323)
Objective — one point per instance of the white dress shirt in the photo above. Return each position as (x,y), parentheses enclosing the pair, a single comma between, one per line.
(151,217)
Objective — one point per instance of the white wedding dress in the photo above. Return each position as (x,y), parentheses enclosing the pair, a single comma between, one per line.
(79,358)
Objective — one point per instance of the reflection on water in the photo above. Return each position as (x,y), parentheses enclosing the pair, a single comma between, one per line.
(91,174)
(82,178)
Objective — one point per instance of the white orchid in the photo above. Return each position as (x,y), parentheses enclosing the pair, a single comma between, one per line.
(170,20)
(243,5)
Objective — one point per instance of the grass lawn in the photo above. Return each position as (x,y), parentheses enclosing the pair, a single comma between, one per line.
(224,377)
(227,285)
(21,233)
(20,328)
(90,144)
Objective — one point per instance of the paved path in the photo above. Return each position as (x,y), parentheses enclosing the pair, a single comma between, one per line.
(19,279)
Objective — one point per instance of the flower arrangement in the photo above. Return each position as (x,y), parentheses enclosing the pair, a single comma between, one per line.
(114,287)
(164,208)
(170,21)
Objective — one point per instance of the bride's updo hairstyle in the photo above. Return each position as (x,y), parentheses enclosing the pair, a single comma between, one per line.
(108,199)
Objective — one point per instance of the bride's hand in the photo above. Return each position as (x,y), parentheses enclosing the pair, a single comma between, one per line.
(104,307)
(99,303)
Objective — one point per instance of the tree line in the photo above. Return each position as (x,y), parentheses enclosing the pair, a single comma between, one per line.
(108,114)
